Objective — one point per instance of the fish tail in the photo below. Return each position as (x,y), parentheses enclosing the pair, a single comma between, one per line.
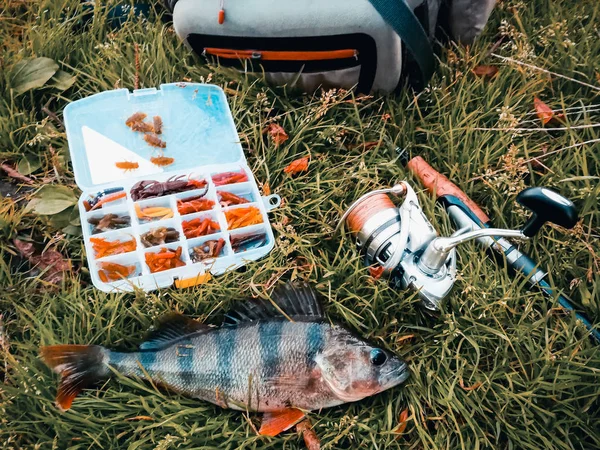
(79,367)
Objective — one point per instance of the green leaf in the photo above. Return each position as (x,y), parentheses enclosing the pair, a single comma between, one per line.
(72,230)
(74,218)
(62,80)
(32,73)
(61,219)
(27,165)
(52,199)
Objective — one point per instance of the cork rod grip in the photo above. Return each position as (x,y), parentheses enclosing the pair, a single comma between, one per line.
(438,184)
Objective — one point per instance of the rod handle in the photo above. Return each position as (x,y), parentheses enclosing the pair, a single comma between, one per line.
(439,185)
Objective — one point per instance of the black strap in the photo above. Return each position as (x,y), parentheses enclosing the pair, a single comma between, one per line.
(401,18)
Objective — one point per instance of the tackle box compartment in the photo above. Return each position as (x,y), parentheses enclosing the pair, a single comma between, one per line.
(110,158)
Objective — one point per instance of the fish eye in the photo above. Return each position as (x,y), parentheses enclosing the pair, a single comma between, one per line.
(378,357)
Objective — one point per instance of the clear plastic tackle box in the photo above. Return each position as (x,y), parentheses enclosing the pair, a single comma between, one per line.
(199,230)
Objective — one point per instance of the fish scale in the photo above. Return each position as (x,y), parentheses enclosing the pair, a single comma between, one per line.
(229,366)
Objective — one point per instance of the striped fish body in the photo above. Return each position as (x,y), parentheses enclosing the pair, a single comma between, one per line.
(258,366)
(279,357)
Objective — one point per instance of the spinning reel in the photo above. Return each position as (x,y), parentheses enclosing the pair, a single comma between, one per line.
(404,243)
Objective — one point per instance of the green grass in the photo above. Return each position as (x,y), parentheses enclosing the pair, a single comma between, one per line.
(538,370)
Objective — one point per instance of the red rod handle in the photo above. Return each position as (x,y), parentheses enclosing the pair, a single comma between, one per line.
(439,185)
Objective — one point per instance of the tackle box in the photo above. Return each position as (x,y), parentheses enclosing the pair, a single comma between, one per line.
(109,159)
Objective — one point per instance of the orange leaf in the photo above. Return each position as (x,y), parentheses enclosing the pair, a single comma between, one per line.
(403,422)
(404,338)
(469,388)
(544,112)
(297,166)
(485,71)
(136,418)
(277,133)
(311,440)
(266,189)
(376,272)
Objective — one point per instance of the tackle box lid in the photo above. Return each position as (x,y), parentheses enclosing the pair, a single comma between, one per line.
(198,129)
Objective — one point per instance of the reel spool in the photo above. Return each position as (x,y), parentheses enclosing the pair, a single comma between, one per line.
(394,237)
(375,224)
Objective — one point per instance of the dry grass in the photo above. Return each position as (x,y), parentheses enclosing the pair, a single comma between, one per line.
(499,367)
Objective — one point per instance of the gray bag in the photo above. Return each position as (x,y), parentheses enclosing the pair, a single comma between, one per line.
(307,44)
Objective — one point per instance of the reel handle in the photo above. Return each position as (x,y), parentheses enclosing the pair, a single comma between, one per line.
(547,206)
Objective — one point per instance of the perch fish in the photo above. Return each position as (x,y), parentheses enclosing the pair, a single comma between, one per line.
(278,357)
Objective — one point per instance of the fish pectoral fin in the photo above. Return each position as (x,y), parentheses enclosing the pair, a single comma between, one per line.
(275,422)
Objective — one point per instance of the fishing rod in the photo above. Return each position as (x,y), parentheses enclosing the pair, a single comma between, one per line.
(405,245)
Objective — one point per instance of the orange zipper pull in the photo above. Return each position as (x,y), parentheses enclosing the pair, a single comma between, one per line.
(222,13)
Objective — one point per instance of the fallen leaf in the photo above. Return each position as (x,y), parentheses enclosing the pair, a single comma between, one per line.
(376,272)
(297,166)
(277,133)
(32,73)
(544,112)
(136,418)
(403,422)
(62,80)
(404,338)
(13,173)
(469,388)
(483,71)
(52,199)
(311,440)
(27,166)
(266,189)
(26,249)
(51,264)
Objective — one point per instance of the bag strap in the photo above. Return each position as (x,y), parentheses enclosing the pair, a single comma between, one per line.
(403,21)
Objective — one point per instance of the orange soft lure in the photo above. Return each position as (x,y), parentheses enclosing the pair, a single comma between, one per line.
(103,247)
(162,161)
(151,213)
(199,227)
(158,124)
(153,140)
(109,198)
(127,165)
(194,205)
(243,217)
(228,199)
(229,178)
(165,259)
(135,118)
(113,271)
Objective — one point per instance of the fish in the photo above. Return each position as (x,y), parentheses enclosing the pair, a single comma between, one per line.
(278,356)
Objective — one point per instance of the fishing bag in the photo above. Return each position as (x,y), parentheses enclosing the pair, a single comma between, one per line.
(368,44)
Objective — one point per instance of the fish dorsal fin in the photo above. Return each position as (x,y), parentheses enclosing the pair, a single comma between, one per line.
(171,327)
(291,300)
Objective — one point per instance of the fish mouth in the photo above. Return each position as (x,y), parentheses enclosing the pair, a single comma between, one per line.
(398,375)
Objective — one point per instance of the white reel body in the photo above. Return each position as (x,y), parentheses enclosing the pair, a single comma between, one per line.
(395,237)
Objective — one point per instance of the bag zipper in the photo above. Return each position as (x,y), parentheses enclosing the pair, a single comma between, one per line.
(275,55)
(259,54)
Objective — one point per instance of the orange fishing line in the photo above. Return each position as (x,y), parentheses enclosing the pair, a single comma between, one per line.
(367,209)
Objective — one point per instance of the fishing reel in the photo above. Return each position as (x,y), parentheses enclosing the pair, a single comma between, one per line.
(403,242)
